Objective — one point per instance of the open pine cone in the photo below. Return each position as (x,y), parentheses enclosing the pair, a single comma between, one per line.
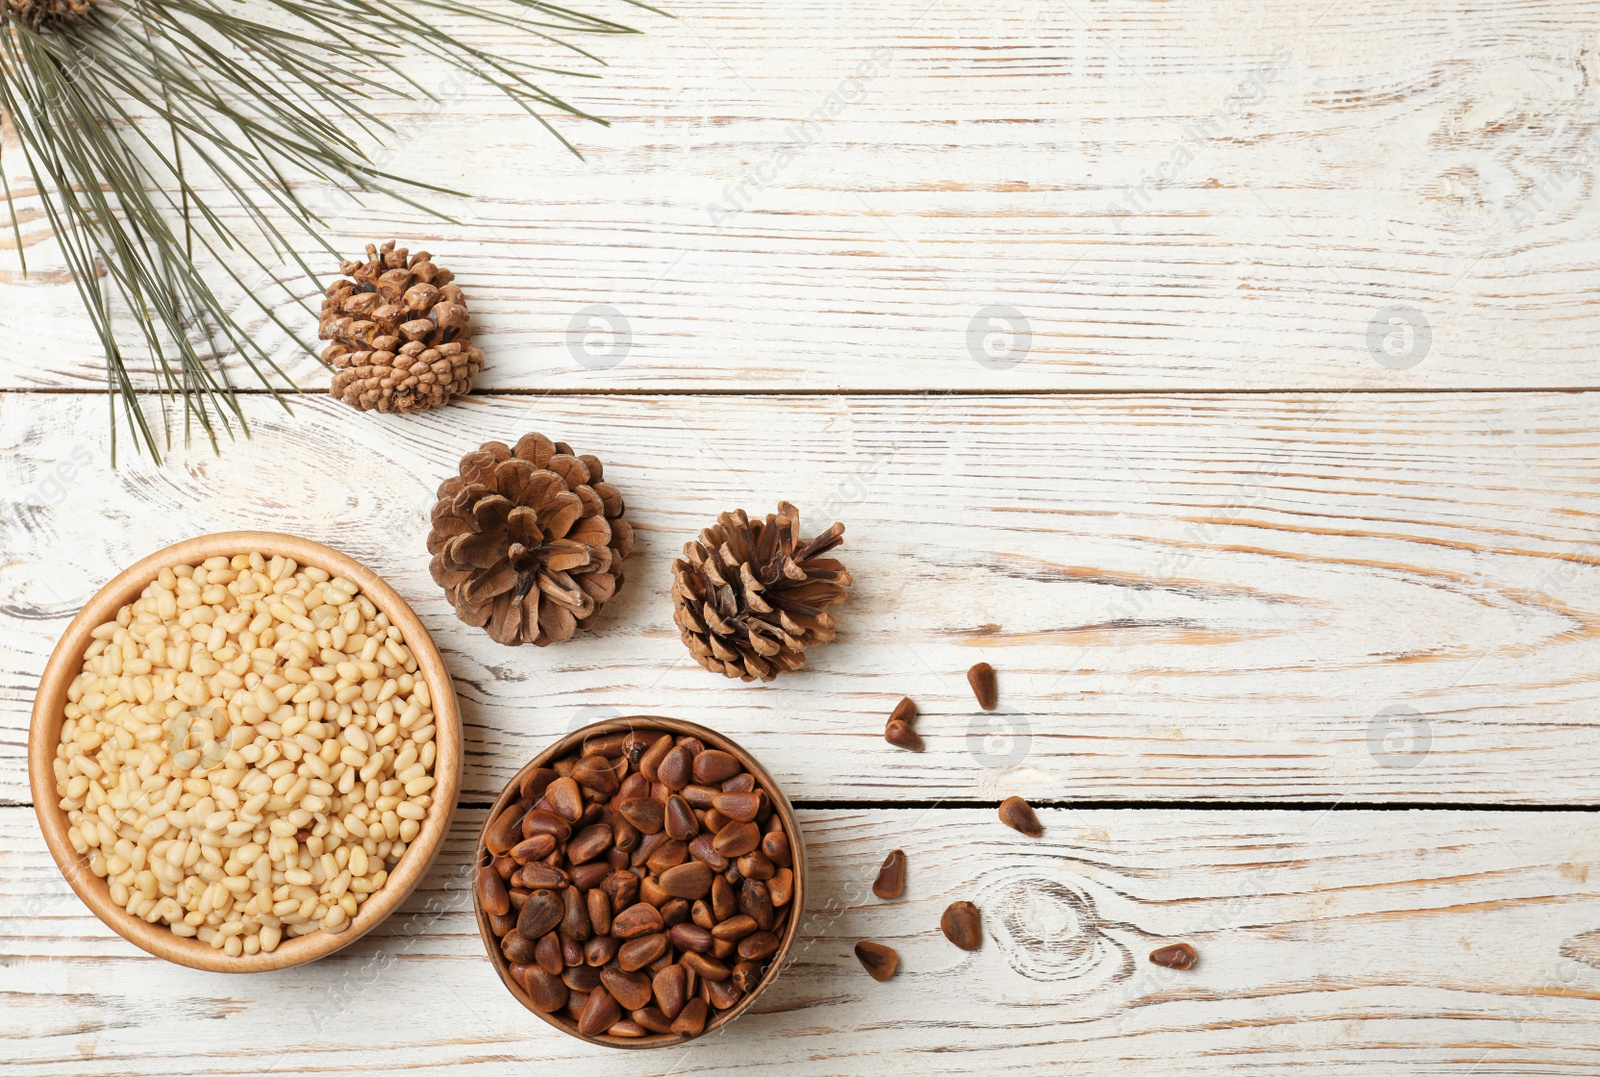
(402,340)
(39,12)
(528,542)
(752,596)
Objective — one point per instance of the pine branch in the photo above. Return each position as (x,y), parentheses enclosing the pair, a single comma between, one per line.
(127,111)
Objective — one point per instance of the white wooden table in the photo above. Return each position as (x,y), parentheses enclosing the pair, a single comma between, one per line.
(1225,376)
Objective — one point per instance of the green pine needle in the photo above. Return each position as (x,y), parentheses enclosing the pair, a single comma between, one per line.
(250,105)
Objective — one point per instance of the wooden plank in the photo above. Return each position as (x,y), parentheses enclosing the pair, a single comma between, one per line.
(1363,598)
(1395,942)
(1182,198)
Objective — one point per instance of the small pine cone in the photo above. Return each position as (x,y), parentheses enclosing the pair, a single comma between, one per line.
(402,340)
(528,542)
(751,597)
(41,12)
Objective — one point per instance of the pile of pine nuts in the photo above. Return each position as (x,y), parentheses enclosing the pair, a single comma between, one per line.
(247,752)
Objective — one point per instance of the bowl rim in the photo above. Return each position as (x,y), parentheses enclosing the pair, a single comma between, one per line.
(44,732)
(781,805)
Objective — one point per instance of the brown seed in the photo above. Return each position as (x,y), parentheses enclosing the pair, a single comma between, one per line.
(735,928)
(623,886)
(634,786)
(741,807)
(547,993)
(581,977)
(547,954)
(637,953)
(676,769)
(690,937)
(645,813)
(962,926)
(724,902)
(1178,956)
(981,677)
(1018,815)
(636,920)
(653,755)
(535,848)
(575,915)
(891,881)
(518,948)
(650,891)
(901,735)
(670,990)
(589,843)
(541,877)
(780,888)
(539,821)
(492,896)
(879,960)
(609,745)
(675,912)
(599,1013)
(669,854)
(506,830)
(599,903)
(698,796)
(714,821)
(680,823)
(747,976)
(712,767)
(571,953)
(904,711)
(722,994)
(689,881)
(653,1019)
(758,947)
(755,901)
(737,839)
(575,1003)
(701,915)
(756,866)
(624,836)
(775,843)
(722,949)
(707,968)
(588,876)
(599,950)
(535,782)
(595,772)
(692,1021)
(701,849)
(630,989)
(541,914)
(565,798)
(627,1029)
(647,848)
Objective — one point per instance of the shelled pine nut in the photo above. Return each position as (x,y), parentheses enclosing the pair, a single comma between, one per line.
(224,761)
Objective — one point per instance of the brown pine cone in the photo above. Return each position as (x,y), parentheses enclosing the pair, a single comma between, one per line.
(402,340)
(39,12)
(528,542)
(752,596)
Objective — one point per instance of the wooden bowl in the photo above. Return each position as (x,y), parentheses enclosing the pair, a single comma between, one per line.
(67,661)
(711,739)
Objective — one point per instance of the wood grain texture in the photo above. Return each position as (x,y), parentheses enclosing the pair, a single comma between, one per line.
(1362,941)
(1362,597)
(1174,197)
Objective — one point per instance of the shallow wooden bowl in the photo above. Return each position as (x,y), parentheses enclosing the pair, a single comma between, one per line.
(711,739)
(67,661)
